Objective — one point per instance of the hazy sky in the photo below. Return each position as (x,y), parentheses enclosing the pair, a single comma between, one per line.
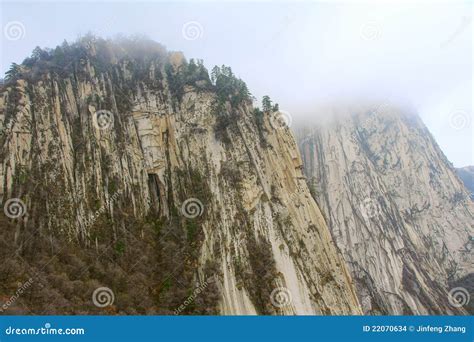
(302,54)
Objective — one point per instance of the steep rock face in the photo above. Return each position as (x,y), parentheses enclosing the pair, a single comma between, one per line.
(467,176)
(149,159)
(395,207)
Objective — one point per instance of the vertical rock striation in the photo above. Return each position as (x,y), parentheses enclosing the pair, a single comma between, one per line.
(467,176)
(131,152)
(395,207)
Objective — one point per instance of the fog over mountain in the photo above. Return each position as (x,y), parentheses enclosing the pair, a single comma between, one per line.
(247,158)
(302,54)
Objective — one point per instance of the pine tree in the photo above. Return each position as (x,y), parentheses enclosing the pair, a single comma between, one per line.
(13,72)
(266,104)
(215,74)
(38,53)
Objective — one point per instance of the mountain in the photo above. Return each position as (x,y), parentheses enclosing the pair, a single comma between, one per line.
(134,183)
(395,207)
(467,176)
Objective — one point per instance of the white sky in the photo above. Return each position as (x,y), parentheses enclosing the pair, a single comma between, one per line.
(302,54)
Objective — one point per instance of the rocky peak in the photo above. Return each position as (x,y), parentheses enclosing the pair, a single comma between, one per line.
(137,172)
(467,176)
(395,208)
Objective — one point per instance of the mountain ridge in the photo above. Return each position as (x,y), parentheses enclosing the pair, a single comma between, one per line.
(142,174)
(467,176)
(395,207)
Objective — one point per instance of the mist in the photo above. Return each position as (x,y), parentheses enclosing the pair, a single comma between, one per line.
(304,55)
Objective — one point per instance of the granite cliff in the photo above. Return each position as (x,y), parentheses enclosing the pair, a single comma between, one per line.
(127,167)
(395,207)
